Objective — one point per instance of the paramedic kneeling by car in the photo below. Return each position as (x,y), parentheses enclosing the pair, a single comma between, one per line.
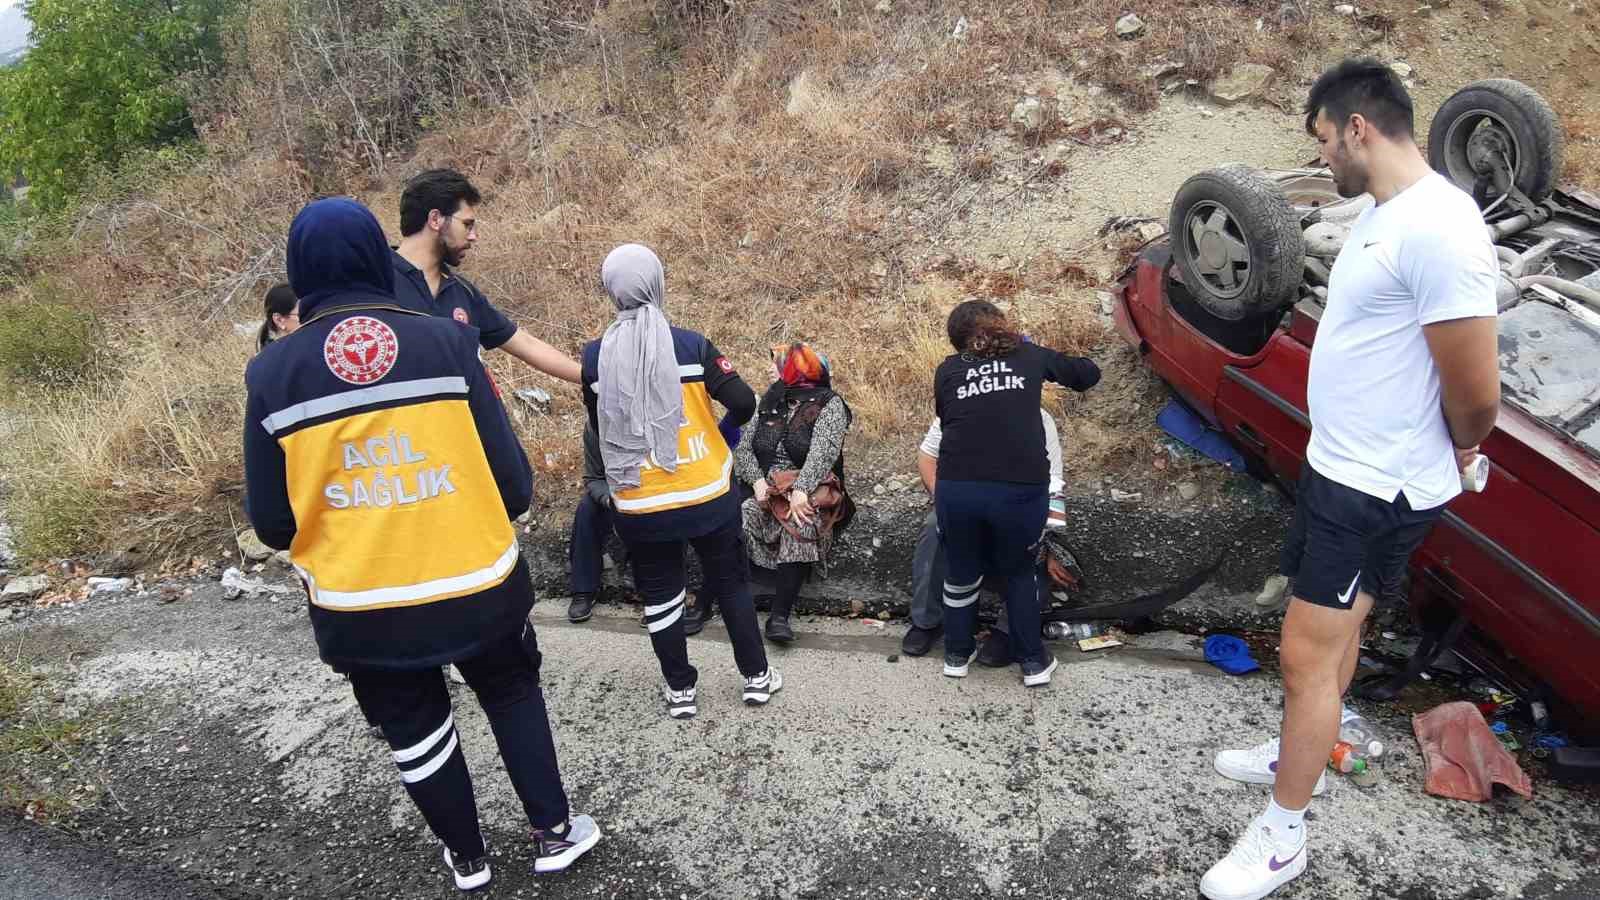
(1404,383)
(378,453)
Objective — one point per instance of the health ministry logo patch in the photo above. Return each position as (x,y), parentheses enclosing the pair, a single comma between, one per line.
(361,350)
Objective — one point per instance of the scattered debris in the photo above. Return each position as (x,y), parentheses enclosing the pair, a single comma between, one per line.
(1188,490)
(1465,760)
(1125,496)
(884,7)
(110,585)
(1345,9)
(26,587)
(1129,26)
(537,399)
(960,31)
(1028,114)
(1098,642)
(1182,423)
(251,548)
(1230,654)
(1242,82)
(1401,69)
(236,584)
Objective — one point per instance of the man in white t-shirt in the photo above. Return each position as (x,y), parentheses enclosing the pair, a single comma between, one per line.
(927,564)
(1404,383)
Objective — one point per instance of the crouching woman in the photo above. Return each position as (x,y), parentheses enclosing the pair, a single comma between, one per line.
(794,460)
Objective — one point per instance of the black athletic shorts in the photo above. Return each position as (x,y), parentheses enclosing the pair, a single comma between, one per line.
(1344,541)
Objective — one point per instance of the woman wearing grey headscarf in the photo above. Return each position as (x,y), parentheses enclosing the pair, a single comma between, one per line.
(668,460)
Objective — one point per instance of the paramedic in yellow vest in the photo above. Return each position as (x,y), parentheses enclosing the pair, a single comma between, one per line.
(649,387)
(378,454)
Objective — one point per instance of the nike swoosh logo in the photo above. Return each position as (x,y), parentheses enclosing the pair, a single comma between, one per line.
(1275,865)
(1350,592)
(1369,244)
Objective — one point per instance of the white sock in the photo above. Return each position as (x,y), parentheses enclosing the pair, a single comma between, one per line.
(1288,825)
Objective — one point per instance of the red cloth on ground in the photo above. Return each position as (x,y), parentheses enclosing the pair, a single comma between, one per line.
(1465,759)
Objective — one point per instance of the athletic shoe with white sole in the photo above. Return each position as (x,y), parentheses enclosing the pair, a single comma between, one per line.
(956,666)
(1258,864)
(680,704)
(554,852)
(1037,674)
(758,689)
(470,874)
(1259,765)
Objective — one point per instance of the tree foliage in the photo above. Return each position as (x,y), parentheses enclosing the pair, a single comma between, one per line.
(104,77)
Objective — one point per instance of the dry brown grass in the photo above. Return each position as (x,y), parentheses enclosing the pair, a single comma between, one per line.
(765,152)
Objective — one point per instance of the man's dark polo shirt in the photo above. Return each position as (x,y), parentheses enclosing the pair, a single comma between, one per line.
(458,299)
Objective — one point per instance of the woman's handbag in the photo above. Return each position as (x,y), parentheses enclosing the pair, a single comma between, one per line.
(834,507)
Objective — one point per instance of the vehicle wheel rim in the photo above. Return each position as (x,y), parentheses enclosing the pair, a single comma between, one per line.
(1480,143)
(1217,249)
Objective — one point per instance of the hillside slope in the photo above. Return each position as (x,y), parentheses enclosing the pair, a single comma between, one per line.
(842,174)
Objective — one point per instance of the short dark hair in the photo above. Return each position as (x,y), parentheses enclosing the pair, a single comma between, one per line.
(1366,86)
(441,189)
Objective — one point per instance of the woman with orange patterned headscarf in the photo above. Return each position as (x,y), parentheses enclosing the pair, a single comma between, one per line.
(798,434)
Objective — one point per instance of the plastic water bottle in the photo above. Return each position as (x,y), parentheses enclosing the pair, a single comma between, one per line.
(1055,631)
(1361,734)
(1347,759)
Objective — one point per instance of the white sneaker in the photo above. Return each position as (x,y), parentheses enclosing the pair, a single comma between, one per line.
(680,704)
(760,688)
(1259,765)
(1257,865)
(554,852)
(470,874)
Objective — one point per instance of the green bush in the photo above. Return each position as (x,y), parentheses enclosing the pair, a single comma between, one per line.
(103,77)
(44,343)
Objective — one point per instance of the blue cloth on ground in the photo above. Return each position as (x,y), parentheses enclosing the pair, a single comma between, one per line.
(1182,423)
(1229,654)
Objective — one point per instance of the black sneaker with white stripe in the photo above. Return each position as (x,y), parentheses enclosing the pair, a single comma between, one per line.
(470,874)
(680,704)
(555,850)
(758,689)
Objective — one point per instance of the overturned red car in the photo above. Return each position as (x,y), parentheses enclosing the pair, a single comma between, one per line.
(1225,309)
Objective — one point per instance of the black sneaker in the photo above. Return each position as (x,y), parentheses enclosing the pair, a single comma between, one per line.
(996,650)
(758,689)
(555,851)
(695,618)
(581,609)
(470,874)
(680,704)
(918,641)
(955,666)
(1037,674)
(779,631)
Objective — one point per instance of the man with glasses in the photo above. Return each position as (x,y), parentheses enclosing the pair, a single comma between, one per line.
(438,225)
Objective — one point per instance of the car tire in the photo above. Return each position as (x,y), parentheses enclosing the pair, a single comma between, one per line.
(1497,114)
(1237,242)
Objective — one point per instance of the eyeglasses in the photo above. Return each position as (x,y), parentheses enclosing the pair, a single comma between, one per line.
(470,224)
